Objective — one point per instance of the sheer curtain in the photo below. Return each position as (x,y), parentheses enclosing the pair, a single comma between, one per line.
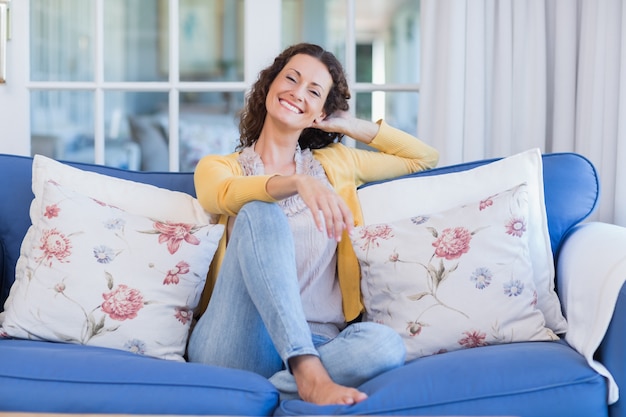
(501,76)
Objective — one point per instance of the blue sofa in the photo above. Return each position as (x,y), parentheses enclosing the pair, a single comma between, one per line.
(521,379)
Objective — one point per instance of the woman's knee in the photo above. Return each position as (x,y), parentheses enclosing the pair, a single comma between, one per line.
(381,343)
(260,209)
(263,218)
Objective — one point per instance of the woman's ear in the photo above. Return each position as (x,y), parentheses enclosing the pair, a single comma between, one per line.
(319,118)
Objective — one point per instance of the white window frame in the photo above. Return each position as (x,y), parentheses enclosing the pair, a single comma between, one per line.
(262,41)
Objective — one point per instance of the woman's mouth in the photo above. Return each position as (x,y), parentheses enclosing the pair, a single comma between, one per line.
(290,107)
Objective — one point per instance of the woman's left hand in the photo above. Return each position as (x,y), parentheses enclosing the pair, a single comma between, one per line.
(345,123)
(337,122)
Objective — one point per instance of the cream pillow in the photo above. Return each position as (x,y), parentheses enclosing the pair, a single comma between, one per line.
(459,278)
(94,273)
(429,194)
(98,275)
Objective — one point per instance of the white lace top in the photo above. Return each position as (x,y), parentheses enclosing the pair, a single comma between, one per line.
(316,254)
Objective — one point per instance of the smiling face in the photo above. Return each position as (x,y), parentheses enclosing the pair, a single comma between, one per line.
(297,95)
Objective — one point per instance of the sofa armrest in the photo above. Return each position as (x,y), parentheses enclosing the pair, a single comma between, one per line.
(611,351)
(591,270)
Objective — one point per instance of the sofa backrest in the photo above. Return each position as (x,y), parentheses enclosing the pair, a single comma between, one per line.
(571,189)
(570,182)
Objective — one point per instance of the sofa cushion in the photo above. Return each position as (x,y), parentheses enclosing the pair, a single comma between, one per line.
(440,192)
(538,379)
(460,278)
(53,377)
(92,273)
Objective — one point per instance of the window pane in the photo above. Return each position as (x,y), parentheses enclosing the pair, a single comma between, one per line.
(62,40)
(134,40)
(322,22)
(210,40)
(62,124)
(399,109)
(208,125)
(387,36)
(138,122)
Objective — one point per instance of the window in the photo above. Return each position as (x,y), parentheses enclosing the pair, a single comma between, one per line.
(378,43)
(156,84)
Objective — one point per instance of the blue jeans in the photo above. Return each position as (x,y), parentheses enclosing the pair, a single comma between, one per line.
(255,320)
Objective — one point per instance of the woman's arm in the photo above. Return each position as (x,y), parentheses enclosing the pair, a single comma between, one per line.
(413,154)
(221,187)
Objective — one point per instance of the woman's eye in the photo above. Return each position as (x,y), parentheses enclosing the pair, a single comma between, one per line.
(316,93)
(290,78)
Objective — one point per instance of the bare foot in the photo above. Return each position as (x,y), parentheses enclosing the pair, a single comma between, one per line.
(316,386)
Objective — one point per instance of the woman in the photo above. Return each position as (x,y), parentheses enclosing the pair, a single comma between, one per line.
(288,279)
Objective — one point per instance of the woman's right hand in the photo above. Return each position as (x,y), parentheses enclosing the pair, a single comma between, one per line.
(330,212)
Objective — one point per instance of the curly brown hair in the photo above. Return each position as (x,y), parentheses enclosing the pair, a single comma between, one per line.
(254,113)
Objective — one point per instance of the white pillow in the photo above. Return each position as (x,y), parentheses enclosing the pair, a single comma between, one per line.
(460,278)
(93,273)
(403,198)
(133,197)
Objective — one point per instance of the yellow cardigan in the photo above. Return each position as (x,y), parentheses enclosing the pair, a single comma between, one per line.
(222,189)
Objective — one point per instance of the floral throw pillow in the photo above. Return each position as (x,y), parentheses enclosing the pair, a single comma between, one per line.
(460,278)
(94,274)
(461,187)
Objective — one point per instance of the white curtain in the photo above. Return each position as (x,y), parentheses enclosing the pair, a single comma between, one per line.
(501,76)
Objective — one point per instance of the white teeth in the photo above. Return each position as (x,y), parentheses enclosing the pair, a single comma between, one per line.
(290,107)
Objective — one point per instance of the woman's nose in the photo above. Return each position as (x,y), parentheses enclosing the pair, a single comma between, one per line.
(298,92)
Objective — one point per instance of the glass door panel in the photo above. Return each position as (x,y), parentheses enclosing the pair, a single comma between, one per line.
(208,124)
(378,43)
(135,41)
(62,124)
(119,114)
(398,108)
(62,40)
(210,39)
(387,35)
(136,124)
(322,22)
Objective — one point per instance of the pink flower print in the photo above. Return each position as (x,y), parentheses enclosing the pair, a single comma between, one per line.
(516,226)
(485,203)
(52,211)
(122,303)
(452,243)
(172,276)
(174,234)
(371,234)
(473,339)
(183,314)
(54,245)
